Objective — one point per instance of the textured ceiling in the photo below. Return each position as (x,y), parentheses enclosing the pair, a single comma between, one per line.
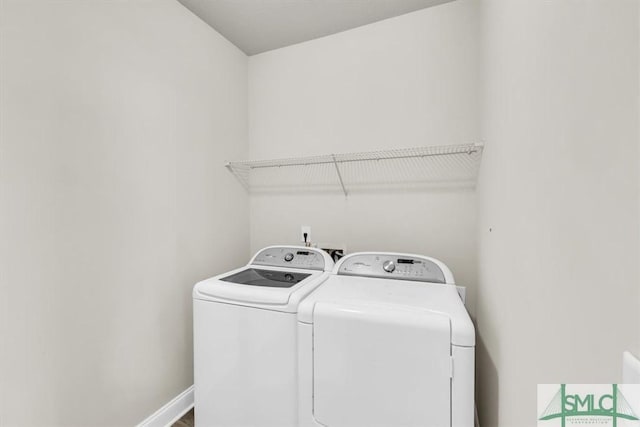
(256,26)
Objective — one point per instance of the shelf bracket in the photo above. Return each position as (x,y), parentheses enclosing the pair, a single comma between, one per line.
(335,163)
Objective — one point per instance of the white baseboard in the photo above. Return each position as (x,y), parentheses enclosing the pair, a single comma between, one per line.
(630,369)
(171,412)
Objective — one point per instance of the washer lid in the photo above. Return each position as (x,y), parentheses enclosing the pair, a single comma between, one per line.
(276,278)
(399,295)
(266,287)
(267,278)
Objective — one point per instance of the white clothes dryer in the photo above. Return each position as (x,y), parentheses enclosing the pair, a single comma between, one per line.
(386,341)
(245,338)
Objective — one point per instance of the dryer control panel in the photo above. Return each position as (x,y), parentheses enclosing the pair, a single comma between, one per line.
(392,266)
(291,257)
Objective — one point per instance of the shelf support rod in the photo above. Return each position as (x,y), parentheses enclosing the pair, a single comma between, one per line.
(335,163)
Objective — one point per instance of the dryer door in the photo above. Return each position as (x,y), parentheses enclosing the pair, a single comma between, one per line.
(379,365)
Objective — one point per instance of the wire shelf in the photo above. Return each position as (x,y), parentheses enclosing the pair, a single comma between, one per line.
(417,167)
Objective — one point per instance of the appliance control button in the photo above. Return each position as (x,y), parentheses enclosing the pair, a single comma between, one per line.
(288,257)
(389,266)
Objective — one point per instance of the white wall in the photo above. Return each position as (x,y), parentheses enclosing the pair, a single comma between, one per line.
(558,199)
(116,118)
(404,82)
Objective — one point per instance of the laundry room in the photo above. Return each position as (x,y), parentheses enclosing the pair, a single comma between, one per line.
(343,213)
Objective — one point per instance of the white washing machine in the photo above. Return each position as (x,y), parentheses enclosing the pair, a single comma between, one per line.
(245,338)
(386,341)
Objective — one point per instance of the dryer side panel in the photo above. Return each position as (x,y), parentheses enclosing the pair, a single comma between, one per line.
(376,365)
(462,388)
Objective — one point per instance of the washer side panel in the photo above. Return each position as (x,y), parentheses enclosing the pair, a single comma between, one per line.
(244,366)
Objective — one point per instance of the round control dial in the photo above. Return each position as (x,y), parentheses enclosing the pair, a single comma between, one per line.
(389,266)
(288,257)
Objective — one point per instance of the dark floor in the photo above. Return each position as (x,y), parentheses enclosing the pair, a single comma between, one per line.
(185,421)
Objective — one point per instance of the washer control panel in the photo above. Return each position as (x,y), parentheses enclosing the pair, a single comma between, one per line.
(392,266)
(291,257)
